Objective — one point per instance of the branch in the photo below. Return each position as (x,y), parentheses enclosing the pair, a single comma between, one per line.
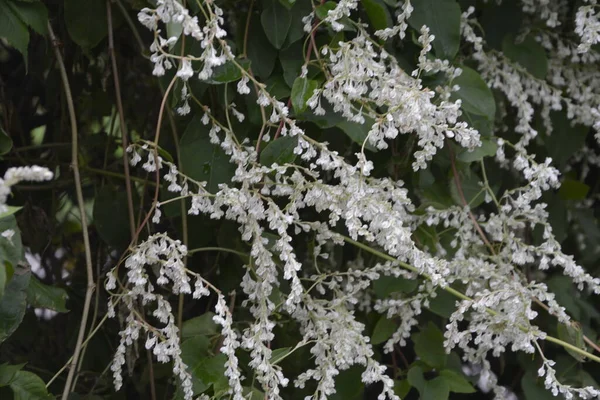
(80,202)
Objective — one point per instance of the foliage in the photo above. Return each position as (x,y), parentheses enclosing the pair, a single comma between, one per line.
(291,199)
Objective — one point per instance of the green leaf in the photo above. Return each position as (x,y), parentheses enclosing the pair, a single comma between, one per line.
(302,90)
(442,17)
(429,346)
(573,190)
(40,295)
(574,335)
(384,329)
(457,382)
(8,372)
(529,54)
(212,372)
(202,325)
(296,32)
(323,10)
(11,249)
(33,14)
(487,149)
(471,189)
(277,87)
(358,132)
(401,388)
(444,304)
(279,151)
(14,303)
(5,140)
(260,51)
(279,354)
(3,278)
(476,96)
(13,29)
(436,389)
(10,210)
(276,21)
(86,21)
(565,139)
(416,379)
(202,160)
(228,72)
(28,386)
(195,353)
(533,387)
(348,385)
(111,216)
(386,285)
(378,13)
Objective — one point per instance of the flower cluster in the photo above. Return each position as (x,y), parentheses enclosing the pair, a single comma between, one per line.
(322,192)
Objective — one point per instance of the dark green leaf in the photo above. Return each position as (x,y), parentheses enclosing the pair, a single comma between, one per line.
(386,285)
(487,149)
(276,21)
(279,354)
(573,190)
(202,325)
(228,72)
(416,379)
(8,372)
(5,140)
(529,54)
(429,346)
(442,17)
(40,295)
(277,87)
(11,249)
(298,11)
(401,388)
(279,151)
(260,51)
(378,13)
(111,216)
(572,334)
(348,385)
(195,353)
(444,304)
(202,160)
(13,29)
(28,386)
(533,387)
(14,303)
(471,189)
(323,10)
(34,15)
(384,329)
(476,96)
(436,389)
(86,21)
(358,132)
(457,382)
(565,139)
(302,90)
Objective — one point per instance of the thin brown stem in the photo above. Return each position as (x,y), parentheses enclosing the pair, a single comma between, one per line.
(124,135)
(466,204)
(81,204)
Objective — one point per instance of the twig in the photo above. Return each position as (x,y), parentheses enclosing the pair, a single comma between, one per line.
(466,204)
(80,202)
(124,135)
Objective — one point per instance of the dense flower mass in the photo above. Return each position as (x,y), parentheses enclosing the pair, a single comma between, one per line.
(493,262)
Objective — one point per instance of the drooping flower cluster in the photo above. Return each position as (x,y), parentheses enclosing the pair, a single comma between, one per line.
(365,85)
